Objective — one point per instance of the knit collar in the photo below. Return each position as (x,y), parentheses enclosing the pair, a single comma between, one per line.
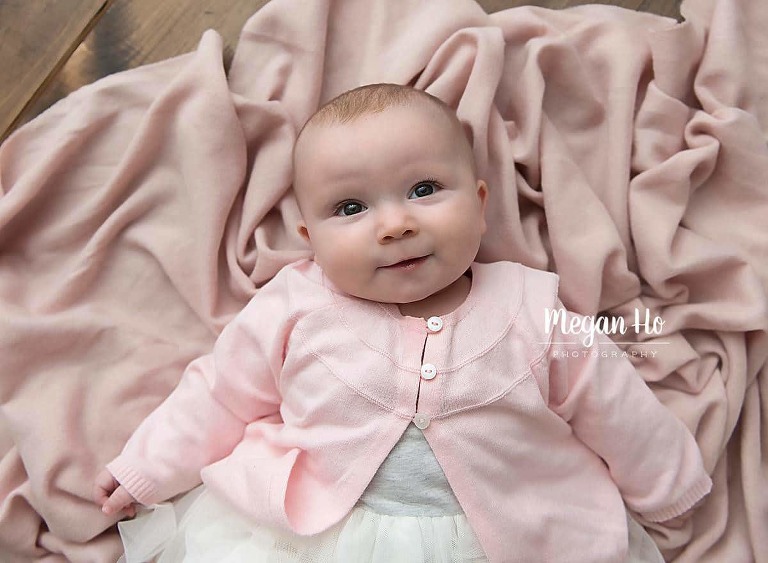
(485,316)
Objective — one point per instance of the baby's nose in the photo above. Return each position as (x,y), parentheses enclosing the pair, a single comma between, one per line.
(396,224)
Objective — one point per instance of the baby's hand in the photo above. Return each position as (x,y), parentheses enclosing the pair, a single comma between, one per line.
(111,496)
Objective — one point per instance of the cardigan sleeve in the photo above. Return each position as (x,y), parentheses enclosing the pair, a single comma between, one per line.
(651,455)
(205,417)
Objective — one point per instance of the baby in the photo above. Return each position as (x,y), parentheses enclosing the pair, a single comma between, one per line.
(393,400)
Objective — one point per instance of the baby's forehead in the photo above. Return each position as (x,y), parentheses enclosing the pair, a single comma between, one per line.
(321,134)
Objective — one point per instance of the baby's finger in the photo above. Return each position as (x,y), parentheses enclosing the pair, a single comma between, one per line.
(103,486)
(117,501)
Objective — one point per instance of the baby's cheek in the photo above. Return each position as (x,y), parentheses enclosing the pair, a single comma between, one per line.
(347,265)
(344,252)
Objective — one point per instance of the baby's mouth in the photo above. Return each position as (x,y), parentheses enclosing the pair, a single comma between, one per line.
(410,263)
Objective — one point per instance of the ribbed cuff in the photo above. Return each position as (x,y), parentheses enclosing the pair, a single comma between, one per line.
(684,503)
(140,488)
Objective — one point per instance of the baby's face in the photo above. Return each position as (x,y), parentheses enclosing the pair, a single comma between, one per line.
(390,203)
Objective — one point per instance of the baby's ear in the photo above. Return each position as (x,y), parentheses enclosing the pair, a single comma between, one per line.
(482,194)
(482,191)
(303,231)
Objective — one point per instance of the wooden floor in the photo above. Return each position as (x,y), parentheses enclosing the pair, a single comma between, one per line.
(49,48)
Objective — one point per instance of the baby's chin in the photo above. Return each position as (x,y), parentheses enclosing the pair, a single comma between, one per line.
(390,294)
(403,295)
(397,298)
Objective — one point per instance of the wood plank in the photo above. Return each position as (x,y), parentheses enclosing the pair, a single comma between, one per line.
(36,39)
(136,32)
(667,8)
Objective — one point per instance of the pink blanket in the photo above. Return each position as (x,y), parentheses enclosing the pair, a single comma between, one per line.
(623,151)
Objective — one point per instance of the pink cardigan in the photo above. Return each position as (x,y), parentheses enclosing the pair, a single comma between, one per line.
(307,390)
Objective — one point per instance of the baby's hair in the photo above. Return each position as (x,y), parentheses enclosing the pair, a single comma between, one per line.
(375,98)
(371,98)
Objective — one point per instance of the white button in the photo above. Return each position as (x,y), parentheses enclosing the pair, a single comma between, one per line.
(421,421)
(428,371)
(435,324)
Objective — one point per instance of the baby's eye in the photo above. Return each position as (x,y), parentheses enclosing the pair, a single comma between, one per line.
(350,208)
(423,189)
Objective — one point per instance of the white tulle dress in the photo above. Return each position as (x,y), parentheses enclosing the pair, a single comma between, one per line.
(404,516)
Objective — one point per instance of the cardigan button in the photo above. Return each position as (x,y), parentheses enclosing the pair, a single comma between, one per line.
(428,371)
(421,421)
(435,324)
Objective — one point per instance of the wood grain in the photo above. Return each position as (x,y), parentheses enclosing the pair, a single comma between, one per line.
(36,40)
(129,33)
(667,8)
